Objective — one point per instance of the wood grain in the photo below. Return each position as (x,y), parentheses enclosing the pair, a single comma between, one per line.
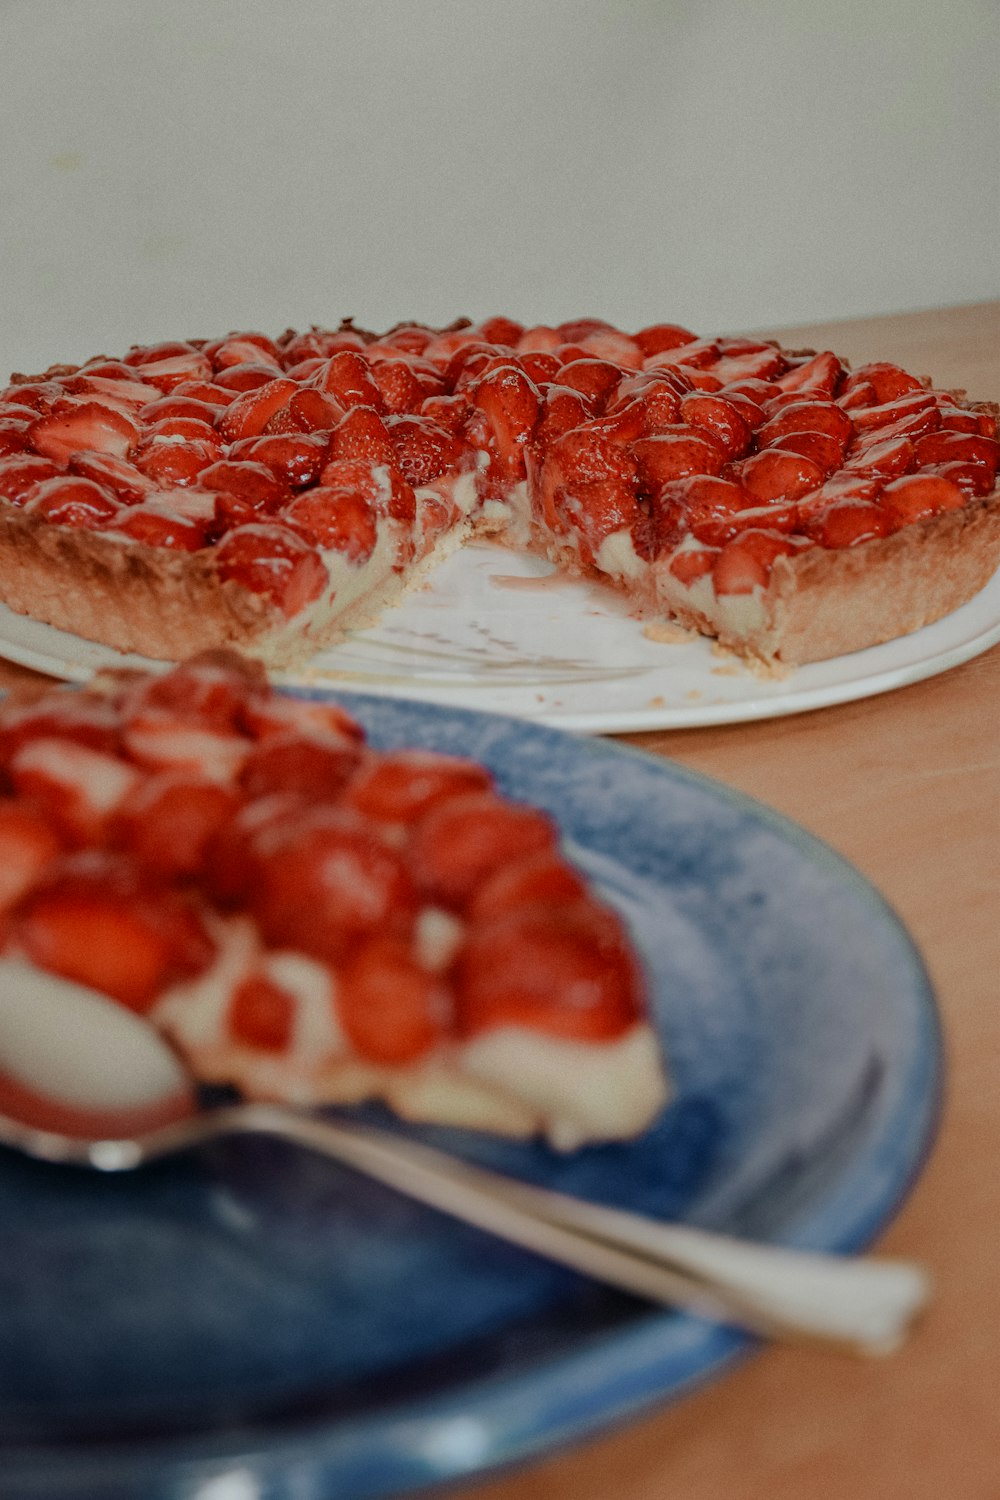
(907,786)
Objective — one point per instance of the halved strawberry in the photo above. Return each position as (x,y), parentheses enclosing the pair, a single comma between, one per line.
(399,786)
(308,411)
(658,337)
(239,348)
(297,458)
(261,1013)
(745,563)
(972,479)
(693,504)
(561,411)
(543,880)
(596,511)
(568,972)
(597,379)
(362,434)
(806,416)
(822,372)
(239,379)
(884,460)
(180,406)
(174,462)
(511,405)
(255,483)
(171,370)
(28,844)
(889,412)
(821,447)
(61,714)
(347,377)
(78,787)
(68,501)
(168,819)
(342,520)
(14,435)
(688,567)
(250,413)
(99,920)
(116,474)
(917,496)
(398,385)
(958,447)
(392,1009)
(674,454)
(778,475)
(158,525)
(326,881)
(539,339)
(720,418)
(89,426)
(184,427)
(888,381)
(848,523)
(273,561)
(756,362)
(463,840)
(424,451)
(314,765)
(21,472)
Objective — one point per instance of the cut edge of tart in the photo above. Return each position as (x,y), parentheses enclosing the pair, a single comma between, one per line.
(314,921)
(272,494)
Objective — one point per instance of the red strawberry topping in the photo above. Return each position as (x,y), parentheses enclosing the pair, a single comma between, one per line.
(88,426)
(392,1010)
(272,561)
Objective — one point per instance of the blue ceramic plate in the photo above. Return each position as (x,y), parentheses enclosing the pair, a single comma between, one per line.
(254,1323)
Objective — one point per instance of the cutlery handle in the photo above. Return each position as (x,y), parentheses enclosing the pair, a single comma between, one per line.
(858,1304)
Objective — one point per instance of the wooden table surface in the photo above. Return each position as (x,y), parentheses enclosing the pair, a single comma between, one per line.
(907,787)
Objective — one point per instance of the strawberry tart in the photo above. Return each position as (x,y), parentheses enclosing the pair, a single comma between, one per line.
(270,493)
(313,920)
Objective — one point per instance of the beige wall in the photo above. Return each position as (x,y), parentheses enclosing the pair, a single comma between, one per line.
(195,165)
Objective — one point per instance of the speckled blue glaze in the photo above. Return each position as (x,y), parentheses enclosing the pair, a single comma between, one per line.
(252,1323)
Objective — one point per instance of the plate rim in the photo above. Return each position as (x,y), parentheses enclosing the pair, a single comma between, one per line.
(178,1467)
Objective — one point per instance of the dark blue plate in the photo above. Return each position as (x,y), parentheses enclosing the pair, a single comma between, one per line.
(252,1323)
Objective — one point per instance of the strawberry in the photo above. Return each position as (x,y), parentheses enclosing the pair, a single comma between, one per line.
(204,391)
(39,395)
(806,416)
(423,450)
(348,378)
(561,411)
(185,428)
(89,426)
(660,337)
(567,972)
(596,511)
(231,863)
(241,348)
(823,372)
(162,740)
(511,405)
(273,714)
(916,496)
(847,523)
(844,485)
(610,344)
(78,787)
(327,882)
(215,689)
(538,340)
(65,715)
(179,406)
(719,418)
(884,460)
(889,412)
(261,1014)
(821,447)
(128,394)
(674,454)
(238,380)
(308,411)
(14,435)
(450,412)
(543,879)
(160,526)
(317,344)
(313,765)
(171,370)
(586,456)
(597,379)
(252,482)
(167,820)
(296,458)
(539,367)
(68,501)
(688,567)
(391,1008)
(99,920)
(174,462)
(499,330)
(405,338)
(916,425)
(693,504)
(398,385)
(964,419)
(274,562)
(972,479)
(777,475)
(757,392)
(342,520)
(142,354)
(888,381)
(380,484)
(756,362)
(462,840)
(857,397)
(250,413)
(362,434)
(958,447)
(28,844)
(127,482)
(19,474)
(745,563)
(401,785)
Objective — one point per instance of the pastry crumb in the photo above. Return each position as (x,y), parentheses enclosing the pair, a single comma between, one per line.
(667,634)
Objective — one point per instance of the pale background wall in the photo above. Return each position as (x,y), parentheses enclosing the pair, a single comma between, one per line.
(178,167)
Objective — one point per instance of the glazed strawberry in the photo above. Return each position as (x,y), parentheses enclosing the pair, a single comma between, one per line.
(313,765)
(68,501)
(78,787)
(889,412)
(539,367)
(511,405)
(400,786)
(238,348)
(972,479)
(561,411)
(673,455)
(806,416)
(659,337)
(888,381)
(272,561)
(327,882)
(62,714)
(463,840)
(20,473)
(958,447)
(542,880)
(159,526)
(215,689)
(14,436)
(450,412)
(250,413)
(307,411)
(362,434)
(603,341)
(179,406)
(261,1014)
(757,392)
(756,362)
(539,339)
(380,484)
(596,511)
(28,844)
(186,428)
(174,462)
(205,391)
(98,919)
(843,485)
(597,379)
(423,450)
(962,419)
(849,523)
(914,426)
(240,379)
(820,447)
(567,973)
(778,475)
(399,386)
(127,482)
(745,563)
(160,739)
(348,378)
(168,820)
(705,506)
(296,458)
(884,460)
(823,372)
(39,395)
(391,1008)
(253,482)
(88,426)
(170,369)
(917,496)
(688,567)
(719,418)
(342,520)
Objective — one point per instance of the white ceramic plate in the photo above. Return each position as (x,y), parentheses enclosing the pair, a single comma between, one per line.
(497,631)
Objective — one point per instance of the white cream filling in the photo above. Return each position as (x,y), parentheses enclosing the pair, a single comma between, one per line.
(100,781)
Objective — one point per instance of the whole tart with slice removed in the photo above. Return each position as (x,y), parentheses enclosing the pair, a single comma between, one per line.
(271,493)
(313,920)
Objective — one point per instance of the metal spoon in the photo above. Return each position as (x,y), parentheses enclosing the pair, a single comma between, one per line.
(61,1044)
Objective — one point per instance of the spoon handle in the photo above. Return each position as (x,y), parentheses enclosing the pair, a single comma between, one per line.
(860,1305)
